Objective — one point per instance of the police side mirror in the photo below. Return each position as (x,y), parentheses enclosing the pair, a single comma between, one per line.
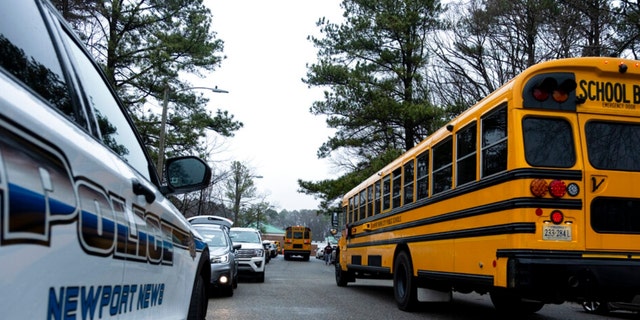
(186,174)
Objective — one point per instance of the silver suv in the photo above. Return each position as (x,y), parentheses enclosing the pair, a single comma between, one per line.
(251,256)
(86,223)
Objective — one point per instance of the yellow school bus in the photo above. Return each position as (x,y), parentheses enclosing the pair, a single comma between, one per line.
(532,196)
(297,242)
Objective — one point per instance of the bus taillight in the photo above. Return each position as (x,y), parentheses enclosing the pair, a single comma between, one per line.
(556,217)
(557,188)
(539,187)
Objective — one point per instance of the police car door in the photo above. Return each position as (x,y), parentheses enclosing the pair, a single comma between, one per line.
(148,231)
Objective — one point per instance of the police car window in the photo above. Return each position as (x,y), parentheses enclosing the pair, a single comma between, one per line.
(117,133)
(27,53)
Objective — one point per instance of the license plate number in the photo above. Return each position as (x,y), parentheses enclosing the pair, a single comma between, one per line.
(555,232)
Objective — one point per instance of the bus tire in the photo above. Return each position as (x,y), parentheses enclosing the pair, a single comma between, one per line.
(341,276)
(510,303)
(199,300)
(404,285)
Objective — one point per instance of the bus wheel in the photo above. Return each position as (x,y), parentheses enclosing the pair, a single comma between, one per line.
(507,302)
(341,276)
(404,286)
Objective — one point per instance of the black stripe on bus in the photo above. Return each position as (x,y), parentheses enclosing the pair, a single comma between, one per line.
(453,278)
(510,228)
(480,210)
(525,202)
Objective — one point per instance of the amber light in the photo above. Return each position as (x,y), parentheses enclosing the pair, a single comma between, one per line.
(557,188)
(557,217)
(538,187)
(560,96)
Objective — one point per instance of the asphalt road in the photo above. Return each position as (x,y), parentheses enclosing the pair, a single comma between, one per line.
(299,289)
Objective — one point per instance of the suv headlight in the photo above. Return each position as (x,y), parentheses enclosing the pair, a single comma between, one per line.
(220,259)
(259,253)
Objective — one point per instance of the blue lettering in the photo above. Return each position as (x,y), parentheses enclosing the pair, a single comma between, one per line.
(134,287)
(143,297)
(89,301)
(156,294)
(80,302)
(115,300)
(106,297)
(71,303)
(54,311)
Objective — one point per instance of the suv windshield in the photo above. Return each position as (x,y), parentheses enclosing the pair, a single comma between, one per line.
(244,236)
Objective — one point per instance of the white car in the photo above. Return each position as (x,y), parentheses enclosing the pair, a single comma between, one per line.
(252,255)
(86,229)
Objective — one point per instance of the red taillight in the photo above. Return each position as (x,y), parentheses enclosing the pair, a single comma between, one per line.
(557,188)
(556,217)
(540,94)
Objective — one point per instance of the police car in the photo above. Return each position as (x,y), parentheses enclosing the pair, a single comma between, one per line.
(86,230)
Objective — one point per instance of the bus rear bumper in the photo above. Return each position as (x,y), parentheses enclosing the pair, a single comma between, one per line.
(554,277)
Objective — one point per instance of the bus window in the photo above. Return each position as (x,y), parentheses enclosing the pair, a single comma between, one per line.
(397,187)
(613,146)
(408,182)
(376,203)
(370,201)
(494,141)
(386,193)
(422,178)
(350,215)
(356,207)
(466,154)
(548,142)
(363,205)
(442,158)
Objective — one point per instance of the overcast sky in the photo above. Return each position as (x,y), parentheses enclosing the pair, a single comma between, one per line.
(267,48)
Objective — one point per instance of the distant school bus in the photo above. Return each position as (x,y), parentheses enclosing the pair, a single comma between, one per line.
(297,242)
(532,195)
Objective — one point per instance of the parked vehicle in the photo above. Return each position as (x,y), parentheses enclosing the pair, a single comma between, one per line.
(87,228)
(604,307)
(271,248)
(210,219)
(251,257)
(224,265)
(267,251)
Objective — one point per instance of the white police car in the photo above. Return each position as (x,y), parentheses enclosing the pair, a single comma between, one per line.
(85,229)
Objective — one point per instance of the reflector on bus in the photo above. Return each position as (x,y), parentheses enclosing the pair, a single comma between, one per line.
(555,91)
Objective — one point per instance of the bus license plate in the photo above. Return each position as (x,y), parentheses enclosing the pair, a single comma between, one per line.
(555,232)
